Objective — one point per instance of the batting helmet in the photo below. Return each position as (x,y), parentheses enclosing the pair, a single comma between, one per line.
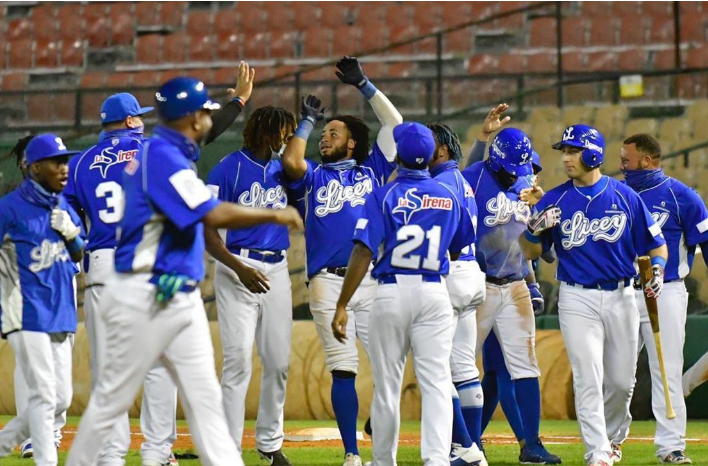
(536,162)
(182,96)
(511,150)
(414,144)
(587,138)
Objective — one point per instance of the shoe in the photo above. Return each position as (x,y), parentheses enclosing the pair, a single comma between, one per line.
(461,456)
(536,453)
(367,428)
(26,450)
(352,460)
(600,463)
(677,457)
(616,455)
(171,461)
(275,458)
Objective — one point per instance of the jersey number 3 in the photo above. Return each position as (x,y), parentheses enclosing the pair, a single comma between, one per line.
(113,193)
(412,237)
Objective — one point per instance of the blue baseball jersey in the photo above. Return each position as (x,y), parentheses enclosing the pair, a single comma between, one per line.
(412,223)
(331,197)
(94,186)
(243,179)
(449,174)
(36,271)
(683,218)
(601,234)
(163,232)
(502,217)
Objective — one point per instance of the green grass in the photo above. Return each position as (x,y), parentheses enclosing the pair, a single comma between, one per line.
(636,452)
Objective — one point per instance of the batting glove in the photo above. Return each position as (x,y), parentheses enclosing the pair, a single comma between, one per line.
(310,109)
(537,301)
(61,222)
(349,71)
(542,221)
(654,286)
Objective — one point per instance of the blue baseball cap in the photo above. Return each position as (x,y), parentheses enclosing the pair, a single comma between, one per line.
(118,107)
(182,96)
(46,146)
(415,143)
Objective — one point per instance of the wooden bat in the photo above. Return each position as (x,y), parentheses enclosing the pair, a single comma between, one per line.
(646,274)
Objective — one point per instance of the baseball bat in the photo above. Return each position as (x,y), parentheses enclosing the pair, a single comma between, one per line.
(646,274)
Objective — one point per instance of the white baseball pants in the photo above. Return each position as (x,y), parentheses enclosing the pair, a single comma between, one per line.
(324,293)
(415,315)
(139,332)
(45,360)
(466,287)
(266,318)
(696,375)
(601,331)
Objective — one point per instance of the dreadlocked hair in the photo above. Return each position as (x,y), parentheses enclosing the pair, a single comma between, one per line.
(267,129)
(19,150)
(359,131)
(444,135)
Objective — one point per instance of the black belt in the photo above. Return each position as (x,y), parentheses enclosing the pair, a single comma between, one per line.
(338,271)
(391,279)
(501,281)
(604,286)
(267,257)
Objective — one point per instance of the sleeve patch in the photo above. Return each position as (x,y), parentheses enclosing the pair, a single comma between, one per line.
(703,226)
(213,189)
(361,223)
(655,230)
(191,189)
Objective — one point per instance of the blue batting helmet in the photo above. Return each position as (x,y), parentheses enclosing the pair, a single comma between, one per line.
(182,96)
(587,138)
(511,150)
(536,162)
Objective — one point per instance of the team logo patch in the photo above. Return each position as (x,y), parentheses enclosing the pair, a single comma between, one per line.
(579,228)
(502,209)
(660,218)
(334,195)
(259,197)
(411,203)
(46,254)
(108,157)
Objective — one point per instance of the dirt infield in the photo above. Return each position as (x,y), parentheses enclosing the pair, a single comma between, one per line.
(184,440)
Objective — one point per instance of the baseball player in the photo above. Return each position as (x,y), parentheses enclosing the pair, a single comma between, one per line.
(42,238)
(331,197)
(598,226)
(696,375)
(94,189)
(412,222)
(508,308)
(683,218)
(152,306)
(465,285)
(252,282)
(21,391)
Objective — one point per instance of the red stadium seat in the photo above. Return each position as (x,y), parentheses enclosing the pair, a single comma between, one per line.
(226,22)
(97,27)
(634,31)
(511,63)
(543,62)
(201,47)
(400,69)
(147,48)
(73,53)
(282,44)
(335,15)
(513,21)
(664,60)
(398,15)
(591,9)
(603,31)
(228,76)
(573,62)
(574,31)
(543,32)
(369,14)
(659,8)
(14,81)
(172,13)
(206,75)
(19,29)
(146,13)
(303,17)
(347,40)
(253,17)
(482,64)
(118,81)
(279,15)
(427,16)
(147,78)
(93,80)
(19,54)
(71,21)
(2,52)
(199,22)
(373,38)
(482,10)
(697,57)
(399,34)
(693,26)
(318,42)
(632,60)
(63,107)
(662,29)
(44,21)
(46,54)
(228,46)
(626,9)
(601,61)
(38,107)
(121,26)
(255,46)
(454,13)
(174,48)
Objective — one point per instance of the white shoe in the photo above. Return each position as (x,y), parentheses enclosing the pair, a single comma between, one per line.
(616,455)
(352,460)
(461,456)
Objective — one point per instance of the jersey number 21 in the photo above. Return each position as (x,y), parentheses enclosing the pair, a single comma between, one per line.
(413,237)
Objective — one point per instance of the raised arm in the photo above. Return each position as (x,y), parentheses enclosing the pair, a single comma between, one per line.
(238,96)
(493,122)
(294,163)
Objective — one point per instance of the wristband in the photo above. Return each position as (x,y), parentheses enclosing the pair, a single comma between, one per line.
(239,101)
(368,89)
(534,285)
(658,260)
(531,238)
(304,129)
(75,246)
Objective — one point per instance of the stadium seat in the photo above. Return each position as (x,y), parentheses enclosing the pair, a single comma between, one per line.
(482,10)
(44,22)
(63,107)
(697,57)
(71,21)
(675,129)
(399,34)
(97,27)
(174,48)
(146,13)
(610,119)
(282,44)
(427,16)
(601,61)
(226,21)
(121,26)
(147,48)
(694,26)
(172,13)
(369,14)
(658,9)
(642,125)
(400,69)
(255,46)
(147,78)
(2,52)
(664,59)
(39,107)
(252,18)
(515,21)
(544,115)
(541,62)
(201,47)
(14,81)
(19,29)
(627,8)
(636,32)
(19,53)
(96,80)
(205,75)
(458,41)
(228,46)
(578,114)
(631,60)
(347,40)
(278,16)
(543,32)
(482,64)
(662,28)
(199,22)
(546,133)
(46,54)
(511,63)
(603,30)
(574,31)
(574,62)
(333,15)
(398,15)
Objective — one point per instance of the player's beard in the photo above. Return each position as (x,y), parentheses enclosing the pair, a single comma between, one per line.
(506,179)
(336,156)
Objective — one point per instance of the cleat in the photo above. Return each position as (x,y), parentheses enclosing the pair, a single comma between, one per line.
(600,463)
(275,458)
(352,460)
(616,455)
(676,457)
(536,453)
(171,461)
(462,456)
(26,450)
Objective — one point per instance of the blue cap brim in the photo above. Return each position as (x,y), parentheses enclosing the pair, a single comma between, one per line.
(524,170)
(144,110)
(559,145)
